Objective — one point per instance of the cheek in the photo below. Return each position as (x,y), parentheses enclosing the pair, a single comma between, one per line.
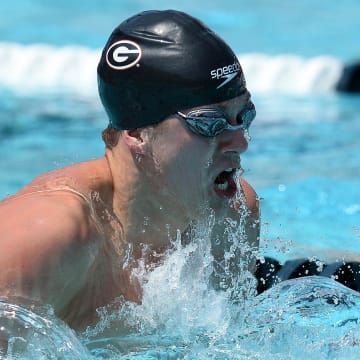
(184,161)
(189,171)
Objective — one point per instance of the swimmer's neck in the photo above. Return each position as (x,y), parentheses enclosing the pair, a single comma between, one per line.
(147,217)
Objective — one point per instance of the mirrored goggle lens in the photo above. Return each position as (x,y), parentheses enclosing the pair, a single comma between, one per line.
(212,122)
(207,127)
(246,116)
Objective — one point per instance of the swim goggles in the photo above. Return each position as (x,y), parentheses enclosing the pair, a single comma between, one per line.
(212,122)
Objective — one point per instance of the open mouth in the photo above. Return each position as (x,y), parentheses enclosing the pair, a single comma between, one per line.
(224,184)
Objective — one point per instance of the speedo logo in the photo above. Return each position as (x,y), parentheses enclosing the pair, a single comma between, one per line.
(226,72)
(123,55)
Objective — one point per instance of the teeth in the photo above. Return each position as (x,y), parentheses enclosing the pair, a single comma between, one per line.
(229,170)
(222,186)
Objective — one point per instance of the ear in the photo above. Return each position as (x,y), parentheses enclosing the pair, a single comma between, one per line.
(136,140)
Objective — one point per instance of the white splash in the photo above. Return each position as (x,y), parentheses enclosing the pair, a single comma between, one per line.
(290,74)
(41,68)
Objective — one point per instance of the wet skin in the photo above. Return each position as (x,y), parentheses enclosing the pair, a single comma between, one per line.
(65,237)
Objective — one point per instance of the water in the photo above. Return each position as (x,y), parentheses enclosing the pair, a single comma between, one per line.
(303,161)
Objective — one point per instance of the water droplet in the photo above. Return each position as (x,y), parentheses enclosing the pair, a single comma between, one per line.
(247,135)
(282,187)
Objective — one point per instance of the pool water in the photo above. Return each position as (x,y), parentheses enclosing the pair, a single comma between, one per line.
(302,160)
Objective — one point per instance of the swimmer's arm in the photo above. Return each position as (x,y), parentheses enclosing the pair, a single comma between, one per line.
(244,247)
(44,248)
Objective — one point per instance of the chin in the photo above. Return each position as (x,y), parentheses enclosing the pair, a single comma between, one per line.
(220,205)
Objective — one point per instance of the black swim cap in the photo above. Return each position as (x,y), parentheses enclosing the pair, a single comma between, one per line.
(158,62)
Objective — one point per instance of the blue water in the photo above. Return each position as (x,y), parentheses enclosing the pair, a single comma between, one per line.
(303,161)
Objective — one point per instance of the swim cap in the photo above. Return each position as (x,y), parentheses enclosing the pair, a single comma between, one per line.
(158,62)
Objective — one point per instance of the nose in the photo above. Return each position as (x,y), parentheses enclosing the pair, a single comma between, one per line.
(233,141)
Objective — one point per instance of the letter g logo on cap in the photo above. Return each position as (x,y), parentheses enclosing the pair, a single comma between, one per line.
(123,55)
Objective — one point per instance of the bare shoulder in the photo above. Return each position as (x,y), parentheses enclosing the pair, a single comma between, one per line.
(31,212)
(251,197)
(45,245)
(57,200)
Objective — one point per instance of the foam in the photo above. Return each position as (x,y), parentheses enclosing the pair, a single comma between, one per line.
(41,68)
(290,73)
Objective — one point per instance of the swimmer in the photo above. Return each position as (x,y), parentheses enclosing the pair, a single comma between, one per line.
(178,110)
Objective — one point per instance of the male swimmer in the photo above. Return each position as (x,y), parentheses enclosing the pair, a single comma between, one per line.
(178,111)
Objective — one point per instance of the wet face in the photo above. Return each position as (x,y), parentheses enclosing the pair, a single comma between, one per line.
(194,171)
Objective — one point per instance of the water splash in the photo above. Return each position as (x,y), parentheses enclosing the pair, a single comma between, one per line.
(312,316)
(181,311)
(31,331)
(183,316)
